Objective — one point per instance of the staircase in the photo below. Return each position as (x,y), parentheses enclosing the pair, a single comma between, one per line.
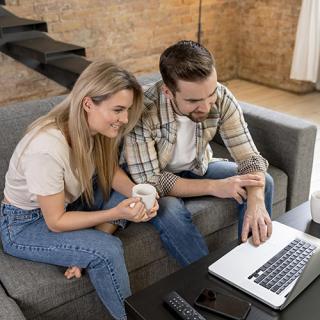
(26,40)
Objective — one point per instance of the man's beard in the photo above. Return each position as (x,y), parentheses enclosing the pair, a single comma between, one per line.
(192,115)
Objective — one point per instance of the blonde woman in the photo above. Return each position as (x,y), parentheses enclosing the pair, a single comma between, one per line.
(63,180)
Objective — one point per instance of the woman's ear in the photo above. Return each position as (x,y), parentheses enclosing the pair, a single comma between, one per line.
(87,104)
(167,92)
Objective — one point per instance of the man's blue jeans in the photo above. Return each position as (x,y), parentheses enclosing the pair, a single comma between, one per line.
(179,235)
(25,235)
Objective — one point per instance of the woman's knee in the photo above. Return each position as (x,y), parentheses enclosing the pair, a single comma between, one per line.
(106,246)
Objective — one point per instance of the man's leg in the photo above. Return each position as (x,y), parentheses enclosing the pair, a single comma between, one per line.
(178,234)
(225,169)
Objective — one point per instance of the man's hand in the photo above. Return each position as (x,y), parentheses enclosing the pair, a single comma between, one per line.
(234,187)
(258,221)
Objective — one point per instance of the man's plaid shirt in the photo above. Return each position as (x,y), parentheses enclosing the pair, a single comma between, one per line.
(149,147)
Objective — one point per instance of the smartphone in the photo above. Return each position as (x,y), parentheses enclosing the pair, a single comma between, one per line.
(223,304)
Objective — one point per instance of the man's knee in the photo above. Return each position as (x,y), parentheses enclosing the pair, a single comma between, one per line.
(221,170)
(171,211)
(170,203)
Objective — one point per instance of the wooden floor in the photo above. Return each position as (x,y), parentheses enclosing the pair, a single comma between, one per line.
(305,106)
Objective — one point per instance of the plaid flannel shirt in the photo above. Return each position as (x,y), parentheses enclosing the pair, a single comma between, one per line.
(148,148)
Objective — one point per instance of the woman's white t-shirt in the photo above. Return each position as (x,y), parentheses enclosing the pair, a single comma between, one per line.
(41,166)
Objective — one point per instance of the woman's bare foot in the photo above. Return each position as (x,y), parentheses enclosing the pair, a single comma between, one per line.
(72,272)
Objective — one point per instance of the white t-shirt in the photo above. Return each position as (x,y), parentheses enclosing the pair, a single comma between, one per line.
(42,169)
(185,148)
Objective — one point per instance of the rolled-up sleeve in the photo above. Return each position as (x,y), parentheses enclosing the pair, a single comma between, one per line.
(236,136)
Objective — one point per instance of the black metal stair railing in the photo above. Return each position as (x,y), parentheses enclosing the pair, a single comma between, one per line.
(26,41)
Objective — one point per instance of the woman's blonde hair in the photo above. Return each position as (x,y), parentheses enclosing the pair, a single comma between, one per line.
(100,80)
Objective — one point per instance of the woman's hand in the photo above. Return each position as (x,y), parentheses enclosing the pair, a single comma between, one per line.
(132,209)
(154,210)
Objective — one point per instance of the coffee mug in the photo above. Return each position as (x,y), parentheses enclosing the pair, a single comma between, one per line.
(315,206)
(146,192)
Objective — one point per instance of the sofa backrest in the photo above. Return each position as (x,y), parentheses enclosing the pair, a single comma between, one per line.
(14,120)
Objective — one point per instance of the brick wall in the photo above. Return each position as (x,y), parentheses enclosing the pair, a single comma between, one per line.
(135,32)
(267,32)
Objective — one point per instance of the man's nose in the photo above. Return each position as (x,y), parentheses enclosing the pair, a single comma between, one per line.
(205,106)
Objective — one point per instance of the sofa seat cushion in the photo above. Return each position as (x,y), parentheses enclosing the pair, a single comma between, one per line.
(9,309)
(38,287)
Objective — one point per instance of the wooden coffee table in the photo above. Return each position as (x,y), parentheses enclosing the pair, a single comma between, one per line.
(188,282)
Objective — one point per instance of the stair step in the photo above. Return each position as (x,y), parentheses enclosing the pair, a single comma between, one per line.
(12,24)
(66,70)
(43,49)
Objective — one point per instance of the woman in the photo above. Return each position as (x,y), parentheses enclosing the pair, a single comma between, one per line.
(62,182)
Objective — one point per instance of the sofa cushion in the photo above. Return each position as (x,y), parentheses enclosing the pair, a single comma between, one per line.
(9,309)
(14,121)
(38,287)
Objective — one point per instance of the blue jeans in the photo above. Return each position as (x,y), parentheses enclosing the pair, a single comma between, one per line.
(25,235)
(178,234)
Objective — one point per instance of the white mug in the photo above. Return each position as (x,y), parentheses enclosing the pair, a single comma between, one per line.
(146,192)
(315,206)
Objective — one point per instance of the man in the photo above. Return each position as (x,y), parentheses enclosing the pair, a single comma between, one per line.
(169,148)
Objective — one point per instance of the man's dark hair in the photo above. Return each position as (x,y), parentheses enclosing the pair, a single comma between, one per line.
(186,60)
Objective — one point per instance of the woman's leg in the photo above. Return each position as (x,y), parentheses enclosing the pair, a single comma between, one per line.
(25,235)
(99,204)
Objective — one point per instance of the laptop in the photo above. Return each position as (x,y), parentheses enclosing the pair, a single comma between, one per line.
(275,272)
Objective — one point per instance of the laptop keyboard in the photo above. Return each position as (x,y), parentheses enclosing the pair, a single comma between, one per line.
(283,268)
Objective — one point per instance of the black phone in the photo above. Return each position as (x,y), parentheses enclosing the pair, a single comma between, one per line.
(223,304)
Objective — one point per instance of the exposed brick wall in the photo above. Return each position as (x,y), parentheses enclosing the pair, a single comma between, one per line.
(220,34)
(267,32)
(135,32)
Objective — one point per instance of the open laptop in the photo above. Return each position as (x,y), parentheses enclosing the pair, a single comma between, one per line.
(277,271)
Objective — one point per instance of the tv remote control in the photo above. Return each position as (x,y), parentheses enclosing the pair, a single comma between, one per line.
(181,307)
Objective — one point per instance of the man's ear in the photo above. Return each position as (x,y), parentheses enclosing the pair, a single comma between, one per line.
(167,92)
(87,104)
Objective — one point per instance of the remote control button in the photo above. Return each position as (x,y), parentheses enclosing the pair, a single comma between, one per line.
(181,307)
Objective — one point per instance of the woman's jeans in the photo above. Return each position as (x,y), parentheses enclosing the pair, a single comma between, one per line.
(25,235)
(173,221)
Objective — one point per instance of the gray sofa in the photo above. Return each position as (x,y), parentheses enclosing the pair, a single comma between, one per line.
(39,291)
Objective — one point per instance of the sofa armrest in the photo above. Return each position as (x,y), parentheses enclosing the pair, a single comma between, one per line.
(286,142)
(9,310)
